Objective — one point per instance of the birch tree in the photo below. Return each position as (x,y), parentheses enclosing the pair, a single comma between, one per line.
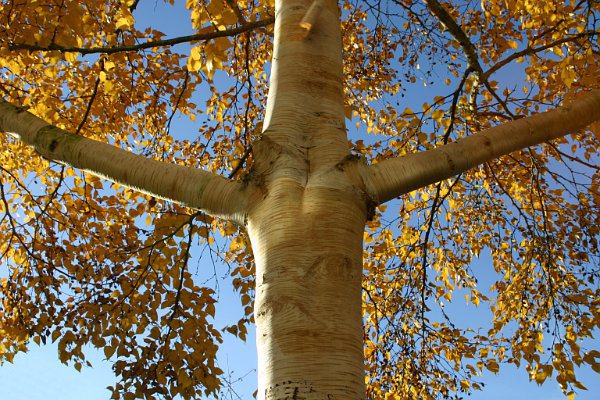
(102,204)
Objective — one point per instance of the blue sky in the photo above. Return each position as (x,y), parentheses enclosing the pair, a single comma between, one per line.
(38,375)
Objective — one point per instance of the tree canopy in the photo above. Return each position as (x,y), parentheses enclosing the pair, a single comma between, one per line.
(90,262)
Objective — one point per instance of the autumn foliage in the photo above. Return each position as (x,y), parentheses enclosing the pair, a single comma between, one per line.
(84,261)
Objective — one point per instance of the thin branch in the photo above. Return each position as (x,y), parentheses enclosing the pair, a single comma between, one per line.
(457,32)
(176,105)
(533,50)
(572,158)
(147,45)
(247,111)
(89,107)
(134,5)
(241,162)
(468,47)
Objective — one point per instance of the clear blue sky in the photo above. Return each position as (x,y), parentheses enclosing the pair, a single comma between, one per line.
(38,375)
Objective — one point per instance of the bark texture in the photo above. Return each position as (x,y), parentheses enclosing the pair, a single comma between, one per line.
(307,244)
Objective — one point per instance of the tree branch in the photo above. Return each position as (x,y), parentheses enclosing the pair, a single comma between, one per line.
(147,45)
(533,50)
(396,176)
(191,187)
(468,47)
(457,33)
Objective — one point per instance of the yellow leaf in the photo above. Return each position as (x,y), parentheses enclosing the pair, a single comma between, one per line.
(239,148)
(124,23)
(558,51)
(71,57)
(210,309)
(108,65)
(568,76)
(437,115)
(492,366)
(540,376)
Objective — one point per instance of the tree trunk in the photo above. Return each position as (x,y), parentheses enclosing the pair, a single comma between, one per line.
(307,219)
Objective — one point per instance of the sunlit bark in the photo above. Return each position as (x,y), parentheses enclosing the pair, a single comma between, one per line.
(308,292)
(305,109)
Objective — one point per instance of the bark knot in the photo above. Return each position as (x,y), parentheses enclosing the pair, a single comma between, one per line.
(53,144)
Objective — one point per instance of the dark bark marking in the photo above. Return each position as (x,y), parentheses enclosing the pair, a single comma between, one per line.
(371,207)
(53,144)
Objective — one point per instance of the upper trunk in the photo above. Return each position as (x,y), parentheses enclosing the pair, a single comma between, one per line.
(305,109)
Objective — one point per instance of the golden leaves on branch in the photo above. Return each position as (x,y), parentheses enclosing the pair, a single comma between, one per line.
(209,57)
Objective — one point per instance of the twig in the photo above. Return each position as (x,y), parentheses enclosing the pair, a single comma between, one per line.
(148,45)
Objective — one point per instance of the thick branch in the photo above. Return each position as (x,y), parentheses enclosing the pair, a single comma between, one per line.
(147,45)
(189,186)
(394,177)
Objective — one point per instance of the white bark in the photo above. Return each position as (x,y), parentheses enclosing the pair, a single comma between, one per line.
(307,245)
(305,108)
(306,225)
(192,187)
(396,176)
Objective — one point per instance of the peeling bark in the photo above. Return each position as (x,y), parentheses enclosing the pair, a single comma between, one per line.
(306,227)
